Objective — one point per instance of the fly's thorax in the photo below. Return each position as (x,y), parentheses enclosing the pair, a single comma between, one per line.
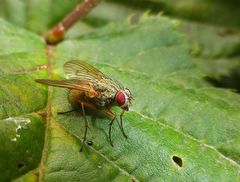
(123,98)
(107,91)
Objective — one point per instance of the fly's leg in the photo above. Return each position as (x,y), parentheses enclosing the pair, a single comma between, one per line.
(89,105)
(86,126)
(65,112)
(86,104)
(121,125)
(110,124)
(110,131)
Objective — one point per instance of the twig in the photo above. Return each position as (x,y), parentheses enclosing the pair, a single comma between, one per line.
(56,34)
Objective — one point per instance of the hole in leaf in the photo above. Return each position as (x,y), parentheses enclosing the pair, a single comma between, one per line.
(177,160)
(90,143)
(20,165)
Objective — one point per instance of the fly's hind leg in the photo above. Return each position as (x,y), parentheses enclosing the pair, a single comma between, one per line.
(86,126)
(89,105)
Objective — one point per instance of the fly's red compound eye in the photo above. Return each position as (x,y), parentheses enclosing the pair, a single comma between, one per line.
(120,98)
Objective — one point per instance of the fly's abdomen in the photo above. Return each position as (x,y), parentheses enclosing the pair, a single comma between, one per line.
(75,97)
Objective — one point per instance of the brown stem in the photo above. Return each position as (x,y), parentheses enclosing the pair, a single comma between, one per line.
(56,34)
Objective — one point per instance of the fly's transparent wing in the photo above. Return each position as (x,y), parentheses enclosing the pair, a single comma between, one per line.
(82,71)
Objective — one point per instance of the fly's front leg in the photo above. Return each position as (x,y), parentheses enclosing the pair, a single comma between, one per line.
(121,126)
(110,113)
(110,131)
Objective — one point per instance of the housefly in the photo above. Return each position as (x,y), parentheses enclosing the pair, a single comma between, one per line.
(90,88)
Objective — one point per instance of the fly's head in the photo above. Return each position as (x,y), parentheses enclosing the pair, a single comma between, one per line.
(123,98)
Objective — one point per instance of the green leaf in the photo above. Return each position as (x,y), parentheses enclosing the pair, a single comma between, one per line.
(26,52)
(217,48)
(29,177)
(213,12)
(179,127)
(21,142)
(29,14)
(22,59)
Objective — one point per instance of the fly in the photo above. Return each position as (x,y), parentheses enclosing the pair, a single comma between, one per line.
(90,88)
